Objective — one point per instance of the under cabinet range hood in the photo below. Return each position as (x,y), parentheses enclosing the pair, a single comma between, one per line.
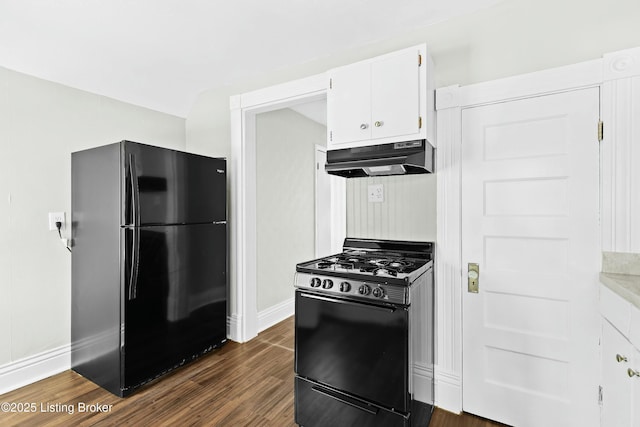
(399,158)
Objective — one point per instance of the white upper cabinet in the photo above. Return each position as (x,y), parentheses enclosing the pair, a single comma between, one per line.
(381,100)
(395,100)
(349,104)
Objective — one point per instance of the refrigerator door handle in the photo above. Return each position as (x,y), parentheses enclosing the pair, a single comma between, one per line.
(135,191)
(135,257)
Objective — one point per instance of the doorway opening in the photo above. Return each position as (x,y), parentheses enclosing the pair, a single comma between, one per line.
(244,320)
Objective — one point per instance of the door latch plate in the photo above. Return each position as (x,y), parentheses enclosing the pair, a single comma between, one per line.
(473,277)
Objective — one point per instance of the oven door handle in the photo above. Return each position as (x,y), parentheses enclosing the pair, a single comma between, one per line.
(347,401)
(357,304)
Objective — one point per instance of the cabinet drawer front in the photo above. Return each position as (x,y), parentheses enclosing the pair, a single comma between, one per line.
(616,384)
(615,309)
(634,328)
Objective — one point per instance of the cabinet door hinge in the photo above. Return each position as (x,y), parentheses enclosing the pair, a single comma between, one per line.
(600,395)
(330,135)
(600,130)
(420,122)
(419,60)
(330,83)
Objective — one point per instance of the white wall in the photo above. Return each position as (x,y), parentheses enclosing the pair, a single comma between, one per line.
(513,37)
(41,123)
(408,211)
(285,200)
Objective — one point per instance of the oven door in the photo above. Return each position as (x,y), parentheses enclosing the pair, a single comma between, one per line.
(358,348)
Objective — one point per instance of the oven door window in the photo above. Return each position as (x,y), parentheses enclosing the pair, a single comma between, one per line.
(358,348)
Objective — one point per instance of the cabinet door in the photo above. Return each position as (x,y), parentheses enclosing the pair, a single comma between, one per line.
(635,392)
(349,104)
(395,95)
(616,384)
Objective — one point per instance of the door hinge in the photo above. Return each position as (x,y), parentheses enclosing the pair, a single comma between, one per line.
(331,135)
(330,83)
(600,130)
(420,122)
(600,395)
(419,60)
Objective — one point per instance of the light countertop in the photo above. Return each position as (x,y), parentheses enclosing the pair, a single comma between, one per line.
(625,285)
(621,274)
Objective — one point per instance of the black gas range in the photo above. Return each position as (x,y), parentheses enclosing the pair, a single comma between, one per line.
(364,318)
(379,270)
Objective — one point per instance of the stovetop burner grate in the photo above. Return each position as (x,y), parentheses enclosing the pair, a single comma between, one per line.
(380,271)
(335,264)
(375,264)
(380,261)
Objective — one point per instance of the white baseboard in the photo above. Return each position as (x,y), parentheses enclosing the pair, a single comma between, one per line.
(266,319)
(274,314)
(422,383)
(34,368)
(233,328)
(448,391)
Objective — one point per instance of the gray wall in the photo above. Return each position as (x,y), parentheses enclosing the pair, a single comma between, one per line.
(41,123)
(285,190)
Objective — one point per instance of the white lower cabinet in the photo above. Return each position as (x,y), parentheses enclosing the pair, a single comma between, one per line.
(619,390)
(635,393)
(620,361)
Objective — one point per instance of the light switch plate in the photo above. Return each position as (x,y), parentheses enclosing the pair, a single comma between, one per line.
(376,193)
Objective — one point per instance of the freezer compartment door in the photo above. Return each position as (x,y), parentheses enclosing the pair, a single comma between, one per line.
(174,296)
(162,186)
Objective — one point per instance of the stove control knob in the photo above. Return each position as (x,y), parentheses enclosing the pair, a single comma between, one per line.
(364,290)
(315,282)
(345,287)
(378,292)
(327,284)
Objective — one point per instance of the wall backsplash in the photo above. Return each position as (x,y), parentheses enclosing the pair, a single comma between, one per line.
(407,212)
(621,263)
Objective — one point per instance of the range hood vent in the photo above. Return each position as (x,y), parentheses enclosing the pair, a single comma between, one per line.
(400,158)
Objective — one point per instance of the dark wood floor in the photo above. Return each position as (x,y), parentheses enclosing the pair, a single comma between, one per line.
(248,384)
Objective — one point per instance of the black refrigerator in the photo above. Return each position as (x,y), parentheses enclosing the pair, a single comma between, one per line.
(149,262)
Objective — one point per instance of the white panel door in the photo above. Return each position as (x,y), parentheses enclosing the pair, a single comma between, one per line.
(530,220)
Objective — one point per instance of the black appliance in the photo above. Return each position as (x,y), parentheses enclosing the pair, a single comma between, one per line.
(149,262)
(399,158)
(363,318)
